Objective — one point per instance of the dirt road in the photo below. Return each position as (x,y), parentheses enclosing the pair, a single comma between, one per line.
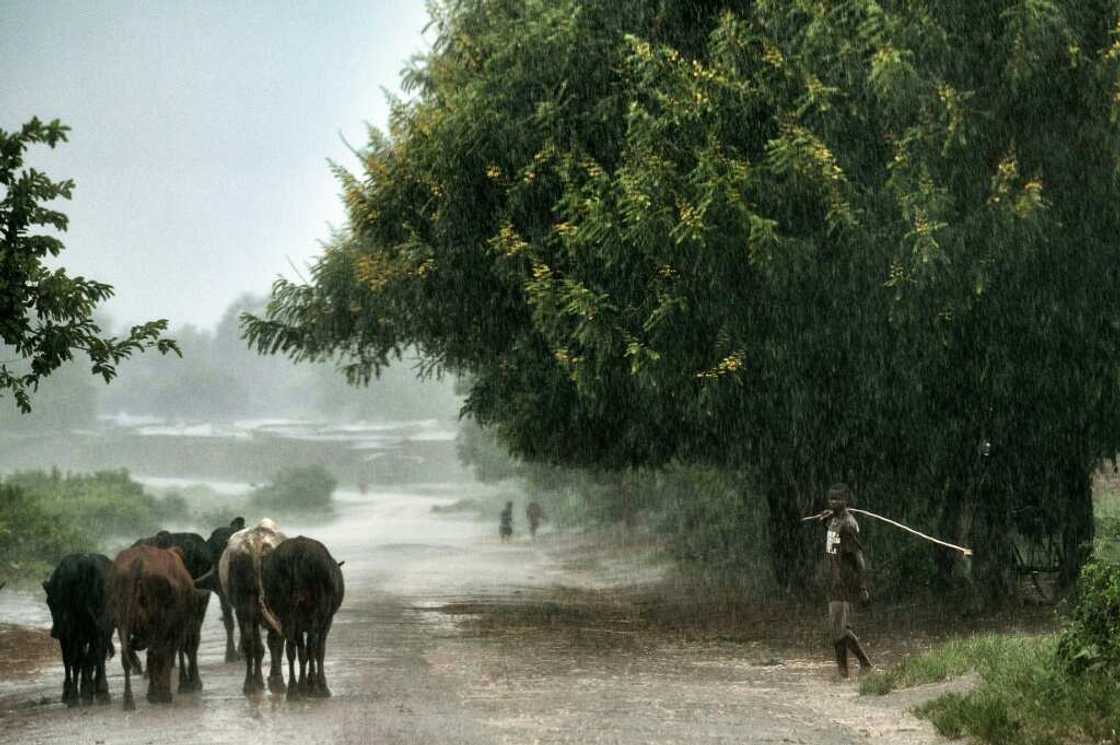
(448,636)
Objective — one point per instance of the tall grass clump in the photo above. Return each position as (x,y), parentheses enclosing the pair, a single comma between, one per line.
(1035,690)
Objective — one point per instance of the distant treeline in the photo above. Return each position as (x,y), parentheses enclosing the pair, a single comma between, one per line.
(220,378)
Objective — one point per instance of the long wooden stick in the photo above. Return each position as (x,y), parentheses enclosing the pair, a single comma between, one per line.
(962,549)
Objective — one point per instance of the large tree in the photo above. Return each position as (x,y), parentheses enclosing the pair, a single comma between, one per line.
(45,314)
(809,241)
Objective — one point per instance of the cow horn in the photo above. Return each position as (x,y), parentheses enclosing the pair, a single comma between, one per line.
(339,563)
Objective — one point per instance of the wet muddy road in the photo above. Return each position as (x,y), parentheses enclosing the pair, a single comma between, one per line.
(404,669)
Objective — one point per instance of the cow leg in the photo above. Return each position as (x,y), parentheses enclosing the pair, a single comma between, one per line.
(188,661)
(71,667)
(293,685)
(167,658)
(276,662)
(130,651)
(100,683)
(86,655)
(301,646)
(127,657)
(160,658)
(258,657)
(188,655)
(184,677)
(227,621)
(313,662)
(254,653)
(321,689)
(247,652)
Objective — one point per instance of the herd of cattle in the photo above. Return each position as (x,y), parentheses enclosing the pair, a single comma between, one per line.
(155,595)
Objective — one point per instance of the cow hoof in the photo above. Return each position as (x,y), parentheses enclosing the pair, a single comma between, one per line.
(71,702)
(102,697)
(276,685)
(190,686)
(294,693)
(157,697)
(321,692)
(129,704)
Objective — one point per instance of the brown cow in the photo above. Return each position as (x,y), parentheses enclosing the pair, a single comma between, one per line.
(155,605)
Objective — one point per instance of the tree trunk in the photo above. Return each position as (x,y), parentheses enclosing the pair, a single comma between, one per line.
(1078,528)
(992,538)
(949,524)
(795,547)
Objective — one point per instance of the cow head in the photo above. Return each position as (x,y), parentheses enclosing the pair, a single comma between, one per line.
(55,609)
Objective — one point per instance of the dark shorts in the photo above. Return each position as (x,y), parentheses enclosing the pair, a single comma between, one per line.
(839,618)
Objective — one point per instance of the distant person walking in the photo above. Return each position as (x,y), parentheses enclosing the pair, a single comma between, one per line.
(534,514)
(848,576)
(505,523)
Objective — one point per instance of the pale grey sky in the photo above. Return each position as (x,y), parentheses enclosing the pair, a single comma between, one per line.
(200,133)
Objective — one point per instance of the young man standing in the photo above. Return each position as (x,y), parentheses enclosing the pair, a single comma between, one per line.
(848,581)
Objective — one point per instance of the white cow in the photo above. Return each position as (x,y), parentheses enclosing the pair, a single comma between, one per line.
(239,571)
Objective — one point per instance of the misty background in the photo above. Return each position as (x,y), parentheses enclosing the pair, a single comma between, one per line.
(200,144)
(201,134)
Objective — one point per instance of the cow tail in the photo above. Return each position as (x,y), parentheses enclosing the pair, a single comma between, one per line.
(132,592)
(266,612)
(98,610)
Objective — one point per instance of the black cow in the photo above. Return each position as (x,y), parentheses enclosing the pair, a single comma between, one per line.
(192,547)
(216,543)
(303,588)
(82,621)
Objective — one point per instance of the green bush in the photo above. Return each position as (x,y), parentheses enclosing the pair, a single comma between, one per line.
(32,539)
(298,489)
(1089,642)
(102,504)
(1025,696)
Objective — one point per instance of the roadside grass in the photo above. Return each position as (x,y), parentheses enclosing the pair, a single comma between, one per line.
(1024,695)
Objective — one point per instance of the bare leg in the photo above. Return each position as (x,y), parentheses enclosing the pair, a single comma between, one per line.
(857,648)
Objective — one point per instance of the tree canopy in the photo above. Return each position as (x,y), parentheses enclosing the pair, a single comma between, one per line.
(45,314)
(810,241)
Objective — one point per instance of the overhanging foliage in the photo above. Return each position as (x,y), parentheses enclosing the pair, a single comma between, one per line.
(859,240)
